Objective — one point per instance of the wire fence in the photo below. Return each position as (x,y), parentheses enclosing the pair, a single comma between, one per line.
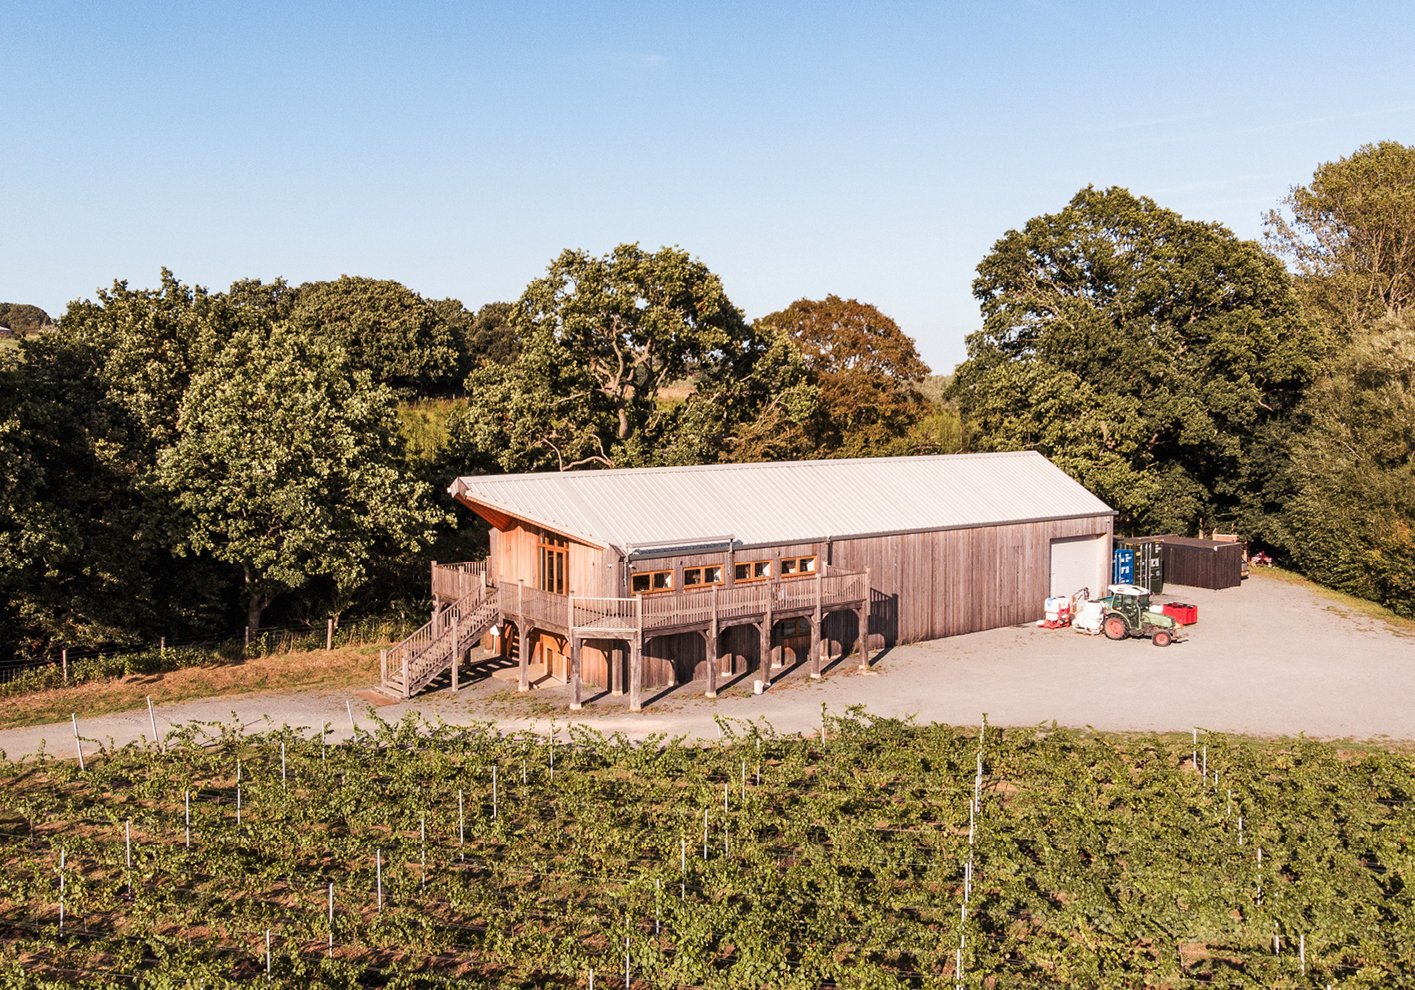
(79,666)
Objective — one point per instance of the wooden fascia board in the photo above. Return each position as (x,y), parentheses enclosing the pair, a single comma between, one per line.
(502,516)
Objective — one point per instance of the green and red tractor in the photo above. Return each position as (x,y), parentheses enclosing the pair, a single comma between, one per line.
(1128,613)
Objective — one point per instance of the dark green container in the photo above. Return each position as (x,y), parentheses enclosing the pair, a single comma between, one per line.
(1149,560)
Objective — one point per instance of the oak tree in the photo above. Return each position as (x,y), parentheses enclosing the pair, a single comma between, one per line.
(287,463)
(866,369)
(1154,357)
(385,328)
(1350,236)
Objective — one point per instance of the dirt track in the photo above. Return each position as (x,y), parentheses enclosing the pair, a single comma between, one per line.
(1270,658)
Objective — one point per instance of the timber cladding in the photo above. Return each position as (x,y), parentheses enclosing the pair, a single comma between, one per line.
(1202,563)
(922,586)
(945,583)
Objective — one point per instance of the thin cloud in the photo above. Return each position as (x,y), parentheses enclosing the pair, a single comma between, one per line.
(1331,117)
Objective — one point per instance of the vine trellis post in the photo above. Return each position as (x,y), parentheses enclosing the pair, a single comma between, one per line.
(77,744)
(152,720)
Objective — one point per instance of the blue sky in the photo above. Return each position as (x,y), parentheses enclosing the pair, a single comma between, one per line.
(872,150)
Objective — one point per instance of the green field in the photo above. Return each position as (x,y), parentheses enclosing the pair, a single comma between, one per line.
(843,861)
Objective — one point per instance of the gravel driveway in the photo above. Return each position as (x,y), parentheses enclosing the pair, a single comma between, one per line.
(1269,658)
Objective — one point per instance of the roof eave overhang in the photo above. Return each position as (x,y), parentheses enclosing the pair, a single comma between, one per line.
(501,515)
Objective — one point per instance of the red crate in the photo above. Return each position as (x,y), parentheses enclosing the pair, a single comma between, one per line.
(1185,615)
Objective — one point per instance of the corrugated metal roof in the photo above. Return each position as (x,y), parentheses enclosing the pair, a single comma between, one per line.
(787,501)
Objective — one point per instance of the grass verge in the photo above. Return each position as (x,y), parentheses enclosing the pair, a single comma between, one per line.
(352,666)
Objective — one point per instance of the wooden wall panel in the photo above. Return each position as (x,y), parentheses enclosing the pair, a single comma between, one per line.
(957,581)
(594,662)
(924,586)
(515,555)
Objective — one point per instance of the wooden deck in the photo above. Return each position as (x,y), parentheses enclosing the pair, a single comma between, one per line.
(708,612)
(477,604)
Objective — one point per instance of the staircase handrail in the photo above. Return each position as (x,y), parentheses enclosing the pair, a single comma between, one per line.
(418,641)
(473,617)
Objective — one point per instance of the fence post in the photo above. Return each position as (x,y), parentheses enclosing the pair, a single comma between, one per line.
(64,659)
(329,635)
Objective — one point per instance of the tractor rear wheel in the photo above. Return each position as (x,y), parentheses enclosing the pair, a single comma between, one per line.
(1162,637)
(1115,628)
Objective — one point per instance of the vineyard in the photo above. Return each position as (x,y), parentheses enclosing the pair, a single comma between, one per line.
(875,853)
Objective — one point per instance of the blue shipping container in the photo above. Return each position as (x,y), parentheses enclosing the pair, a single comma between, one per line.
(1122,567)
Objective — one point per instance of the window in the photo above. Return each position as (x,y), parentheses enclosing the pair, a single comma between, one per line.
(552,563)
(695,576)
(650,581)
(753,570)
(798,567)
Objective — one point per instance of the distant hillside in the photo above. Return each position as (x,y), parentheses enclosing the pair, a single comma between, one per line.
(24,319)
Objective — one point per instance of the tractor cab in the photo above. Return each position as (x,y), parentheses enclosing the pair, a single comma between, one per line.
(1128,613)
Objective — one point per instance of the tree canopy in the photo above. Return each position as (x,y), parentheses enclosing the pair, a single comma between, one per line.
(24,319)
(1151,356)
(385,328)
(483,337)
(601,338)
(867,372)
(1351,516)
(1348,508)
(287,464)
(1350,235)
(85,530)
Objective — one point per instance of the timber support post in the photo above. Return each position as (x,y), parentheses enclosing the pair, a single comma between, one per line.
(636,675)
(456,650)
(616,671)
(575,699)
(711,651)
(636,660)
(816,633)
(523,639)
(766,641)
(864,614)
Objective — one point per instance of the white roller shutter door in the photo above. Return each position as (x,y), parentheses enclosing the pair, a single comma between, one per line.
(1077,563)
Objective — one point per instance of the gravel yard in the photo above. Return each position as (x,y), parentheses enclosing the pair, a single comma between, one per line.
(1269,658)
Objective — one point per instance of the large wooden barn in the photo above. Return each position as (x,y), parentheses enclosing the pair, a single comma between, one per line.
(653,577)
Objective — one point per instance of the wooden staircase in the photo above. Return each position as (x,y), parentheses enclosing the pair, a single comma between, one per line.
(413,664)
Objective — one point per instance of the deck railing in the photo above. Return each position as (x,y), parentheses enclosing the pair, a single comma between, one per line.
(669,610)
(454,582)
(606,613)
